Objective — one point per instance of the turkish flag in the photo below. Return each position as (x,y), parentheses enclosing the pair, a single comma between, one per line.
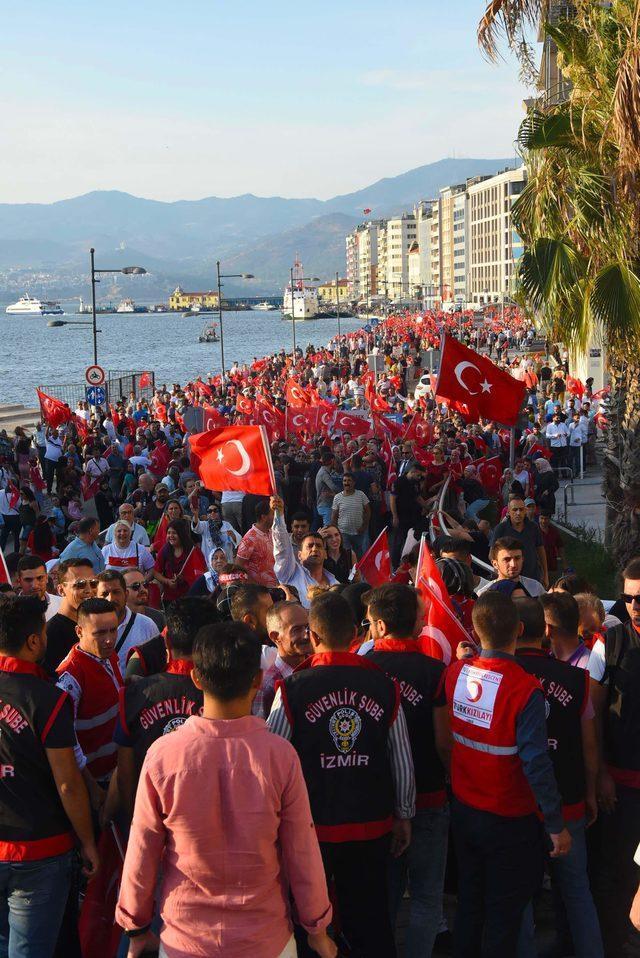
(376,402)
(490,474)
(160,412)
(356,425)
(575,387)
(469,378)
(115,418)
(419,429)
(244,405)
(296,395)
(442,630)
(386,453)
(271,418)
(326,418)
(160,459)
(81,425)
(537,451)
(89,487)
(375,564)
(303,420)
(213,419)
(203,389)
(54,411)
(4,572)
(235,458)
(100,936)
(384,426)
(145,380)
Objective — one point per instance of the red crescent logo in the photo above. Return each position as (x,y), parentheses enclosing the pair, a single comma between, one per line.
(474,690)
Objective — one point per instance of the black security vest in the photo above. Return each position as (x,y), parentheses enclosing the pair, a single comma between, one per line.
(419,678)
(154,705)
(622,717)
(566,690)
(340,707)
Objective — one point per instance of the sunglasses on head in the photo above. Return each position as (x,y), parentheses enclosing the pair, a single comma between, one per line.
(630,599)
(83,583)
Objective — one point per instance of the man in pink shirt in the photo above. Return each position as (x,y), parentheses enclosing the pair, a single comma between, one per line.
(223,804)
(255,552)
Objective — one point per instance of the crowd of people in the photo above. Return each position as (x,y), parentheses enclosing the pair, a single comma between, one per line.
(326,758)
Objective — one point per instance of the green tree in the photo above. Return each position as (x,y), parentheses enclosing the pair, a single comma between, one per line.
(579,214)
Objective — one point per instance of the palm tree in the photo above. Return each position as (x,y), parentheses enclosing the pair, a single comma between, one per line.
(579,214)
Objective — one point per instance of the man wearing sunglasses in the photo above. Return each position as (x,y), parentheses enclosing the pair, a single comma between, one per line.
(614,667)
(76,582)
(138,597)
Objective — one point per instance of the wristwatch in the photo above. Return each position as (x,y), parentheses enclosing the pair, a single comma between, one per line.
(136,932)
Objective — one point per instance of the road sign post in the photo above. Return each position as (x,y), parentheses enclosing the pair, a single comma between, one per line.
(96,395)
(95,375)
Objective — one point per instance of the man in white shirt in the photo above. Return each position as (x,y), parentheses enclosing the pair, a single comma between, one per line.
(557,434)
(577,438)
(134,628)
(138,534)
(10,519)
(52,453)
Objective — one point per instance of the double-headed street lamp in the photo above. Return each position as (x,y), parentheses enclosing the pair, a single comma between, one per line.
(127,270)
(222,276)
(299,279)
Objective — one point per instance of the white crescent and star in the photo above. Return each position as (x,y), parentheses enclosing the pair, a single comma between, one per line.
(459,370)
(244,456)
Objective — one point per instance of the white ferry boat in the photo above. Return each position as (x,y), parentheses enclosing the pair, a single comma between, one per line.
(29,306)
(301,302)
(126,306)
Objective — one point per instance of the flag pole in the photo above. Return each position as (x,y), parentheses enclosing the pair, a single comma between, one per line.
(512,447)
(267,453)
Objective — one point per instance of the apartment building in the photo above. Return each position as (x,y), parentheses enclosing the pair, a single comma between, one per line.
(493,246)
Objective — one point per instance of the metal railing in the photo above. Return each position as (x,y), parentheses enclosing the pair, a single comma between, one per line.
(119,384)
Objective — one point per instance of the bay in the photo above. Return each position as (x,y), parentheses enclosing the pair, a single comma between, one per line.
(33,354)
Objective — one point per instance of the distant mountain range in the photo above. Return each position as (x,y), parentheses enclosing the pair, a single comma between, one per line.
(179,242)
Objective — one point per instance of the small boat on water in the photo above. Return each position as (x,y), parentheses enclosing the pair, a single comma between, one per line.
(30,306)
(264,306)
(128,306)
(209,334)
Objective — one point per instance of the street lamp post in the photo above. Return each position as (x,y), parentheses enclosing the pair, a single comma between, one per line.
(301,279)
(222,276)
(127,271)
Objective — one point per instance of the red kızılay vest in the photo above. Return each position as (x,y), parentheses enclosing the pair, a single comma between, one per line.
(485,696)
(97,708)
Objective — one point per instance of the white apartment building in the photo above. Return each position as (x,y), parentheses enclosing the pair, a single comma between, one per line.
(362,260)
(494,247)
(394,243)
(353,270)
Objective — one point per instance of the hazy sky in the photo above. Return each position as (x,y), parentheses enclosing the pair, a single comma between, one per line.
(174,100)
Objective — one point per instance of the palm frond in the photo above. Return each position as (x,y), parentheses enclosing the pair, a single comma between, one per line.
(541,130)
(508,18)
(615,303)
(549,269)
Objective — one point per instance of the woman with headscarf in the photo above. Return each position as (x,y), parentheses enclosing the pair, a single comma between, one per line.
(179,563)
(546,485)
(207,584)
(216,532)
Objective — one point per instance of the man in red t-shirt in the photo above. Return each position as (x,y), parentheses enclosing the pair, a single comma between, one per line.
(552,542)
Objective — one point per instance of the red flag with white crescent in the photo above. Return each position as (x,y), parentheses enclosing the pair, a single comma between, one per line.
(375,564)
(213,419)
(296,395)
(490,474)
(471,379)
(244,405)
(235,458)
(271,418)
(303,420)
(443,631)
(356,425)
(145,380)
(4,572)
(54,412)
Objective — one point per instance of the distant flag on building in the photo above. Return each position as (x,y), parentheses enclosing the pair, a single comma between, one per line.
(145,380)
(367,210)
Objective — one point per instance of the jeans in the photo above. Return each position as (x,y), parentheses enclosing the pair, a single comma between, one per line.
(355,541)
(472,511)
(422,868)
(571,882)
(32,902)
(574,460)
(324,511)
(290,950)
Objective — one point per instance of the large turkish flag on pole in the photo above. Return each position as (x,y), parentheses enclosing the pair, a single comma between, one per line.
(488,392)
(296,395)
(235,458)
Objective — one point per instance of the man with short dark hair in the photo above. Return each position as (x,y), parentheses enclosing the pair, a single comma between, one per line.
(396,618)
(134,628)
(351,512)
(562,619)
(258,826)
(287,627)
(138,596)
(91,676)
(507,559)
(342,715)
(501,775)
(307,570)
(42,796)
(84,545)
(300,527)
(76,582)
(614,667)
(32,580)
(255,552)
(518,526)
(250,604)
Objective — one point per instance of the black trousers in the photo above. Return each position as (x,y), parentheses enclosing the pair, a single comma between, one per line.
(615,875)
(11,527)
(50,472)
(500,864)
(359,873)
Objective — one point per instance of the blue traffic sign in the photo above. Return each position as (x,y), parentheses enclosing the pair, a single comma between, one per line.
(96,395)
